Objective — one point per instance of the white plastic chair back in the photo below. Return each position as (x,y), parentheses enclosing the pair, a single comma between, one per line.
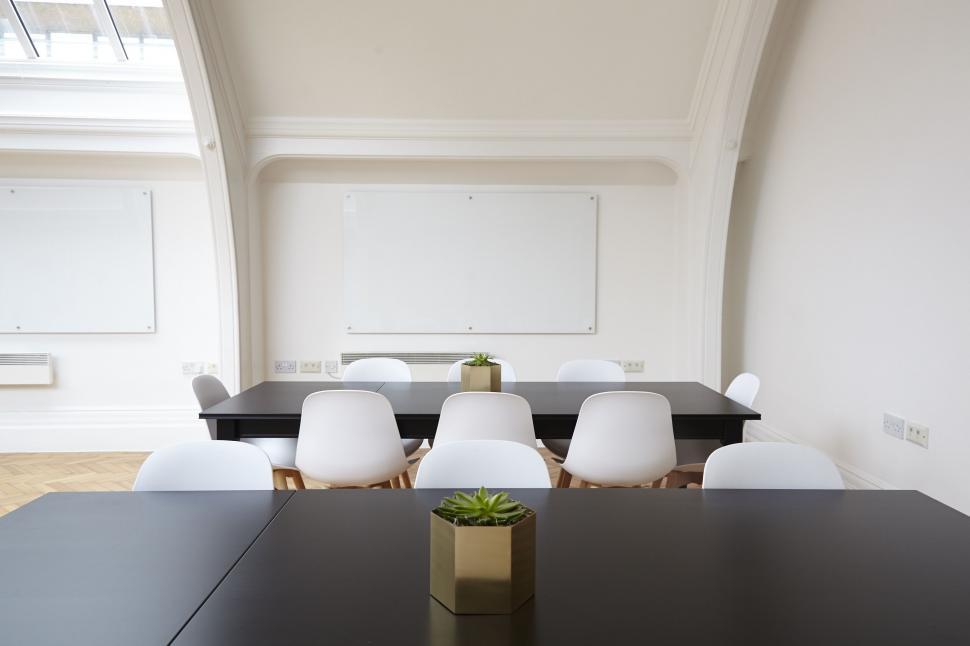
(508,372)
(590,370)
(377,369)
(743,389)
(209,391)
(485,416)
(495,464)
(770,465)
(622,438)
(349,438)
(206,466)
(280,450)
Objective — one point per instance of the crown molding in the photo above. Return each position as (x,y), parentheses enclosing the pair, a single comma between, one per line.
(66,134)
(468,129)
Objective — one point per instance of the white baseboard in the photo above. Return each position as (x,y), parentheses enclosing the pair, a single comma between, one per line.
(855,478)
(69,430)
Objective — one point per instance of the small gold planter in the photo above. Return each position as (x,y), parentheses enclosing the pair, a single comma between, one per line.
(483,570)
(481,378)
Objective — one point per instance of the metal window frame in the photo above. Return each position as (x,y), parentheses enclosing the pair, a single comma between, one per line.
(9,10)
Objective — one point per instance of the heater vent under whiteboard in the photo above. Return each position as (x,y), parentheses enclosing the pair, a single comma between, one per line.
(26,369)
(476,262)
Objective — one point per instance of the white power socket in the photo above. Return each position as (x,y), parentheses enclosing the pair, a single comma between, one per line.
(918,434)
(310,365)
(893,425)
(193,367)
(331,367)
(631,365)
(284,367)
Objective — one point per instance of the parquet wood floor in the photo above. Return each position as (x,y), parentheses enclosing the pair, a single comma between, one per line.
(25,476)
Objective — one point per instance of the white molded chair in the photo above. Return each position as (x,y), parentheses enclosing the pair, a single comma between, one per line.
(209,391)
(206,466)
(621,439)
(590,370)
(770,465)
(377,369)
(348,438)
(485,416)
(281,451)
(690,462)
(743,389)
(470,464)
(508,372)
(382,369)
(583,370)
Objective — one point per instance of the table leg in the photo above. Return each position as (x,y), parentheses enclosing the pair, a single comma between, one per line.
(733,432)
(227,429)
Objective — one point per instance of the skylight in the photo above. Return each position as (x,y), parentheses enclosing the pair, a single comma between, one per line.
(95,32)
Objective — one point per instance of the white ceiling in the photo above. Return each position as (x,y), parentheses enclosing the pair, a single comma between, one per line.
(458,59)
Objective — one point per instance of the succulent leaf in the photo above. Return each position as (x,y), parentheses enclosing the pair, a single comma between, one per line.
(482,509)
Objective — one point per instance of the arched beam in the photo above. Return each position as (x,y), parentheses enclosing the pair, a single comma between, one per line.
(712,172)
(223,164)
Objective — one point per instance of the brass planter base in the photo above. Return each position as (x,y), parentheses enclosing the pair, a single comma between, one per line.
(483,570)
(481,378)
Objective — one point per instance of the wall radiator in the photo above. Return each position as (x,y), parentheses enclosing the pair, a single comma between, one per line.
(26,369)
(408,357)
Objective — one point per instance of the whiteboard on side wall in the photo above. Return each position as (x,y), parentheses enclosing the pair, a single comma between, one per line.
(76,259)
(470,262)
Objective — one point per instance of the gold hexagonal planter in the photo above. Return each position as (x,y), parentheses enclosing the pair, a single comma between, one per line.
(483,570)
(481,378)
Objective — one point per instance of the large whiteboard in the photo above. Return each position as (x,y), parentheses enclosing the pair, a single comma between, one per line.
(76,259)
(475,262)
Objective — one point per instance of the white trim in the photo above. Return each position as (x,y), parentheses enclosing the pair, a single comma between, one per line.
(61,134)
(854,477)
(468,129)
(94,429)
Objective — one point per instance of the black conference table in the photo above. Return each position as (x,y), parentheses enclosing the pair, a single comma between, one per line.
(613,566)
(272,408)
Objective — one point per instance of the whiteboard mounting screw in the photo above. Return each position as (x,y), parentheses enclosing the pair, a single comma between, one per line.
(469,197)
(469,327)
(592,197)
(12,191)
(590,328)
(18,327)
(348,327)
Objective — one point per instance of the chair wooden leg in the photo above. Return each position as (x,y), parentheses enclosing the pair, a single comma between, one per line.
(583,484)
(279,481)
(394,482)
(565,478)
(297,478)
(405,480)
(656,484)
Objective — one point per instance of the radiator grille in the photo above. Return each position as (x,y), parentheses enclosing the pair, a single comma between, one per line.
(25,359)
(26,369)
(408,357)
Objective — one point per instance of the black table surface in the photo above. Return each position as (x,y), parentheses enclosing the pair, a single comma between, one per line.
(120,568)
(613,567)
(284,399)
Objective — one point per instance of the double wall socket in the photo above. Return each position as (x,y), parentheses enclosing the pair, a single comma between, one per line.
(893,425)
(331,367)
(284,367)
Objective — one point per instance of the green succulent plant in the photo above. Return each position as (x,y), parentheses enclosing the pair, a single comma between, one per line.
(482,509)
(480,359)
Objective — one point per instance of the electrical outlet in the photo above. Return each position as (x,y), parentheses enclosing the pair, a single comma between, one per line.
(331,367)
(193,367)
(212,368)
(893,425)
(631,365)
(918,434)
(308,365)
(284,367)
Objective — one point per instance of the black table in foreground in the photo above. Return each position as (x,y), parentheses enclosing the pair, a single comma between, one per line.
(273,408)
(120,568)
(613,566)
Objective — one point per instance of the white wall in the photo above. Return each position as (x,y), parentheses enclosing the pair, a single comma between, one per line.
(639,263)
(504,59)
(848,286)
(123,391)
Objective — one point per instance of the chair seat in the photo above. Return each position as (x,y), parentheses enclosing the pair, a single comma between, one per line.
(558,447)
